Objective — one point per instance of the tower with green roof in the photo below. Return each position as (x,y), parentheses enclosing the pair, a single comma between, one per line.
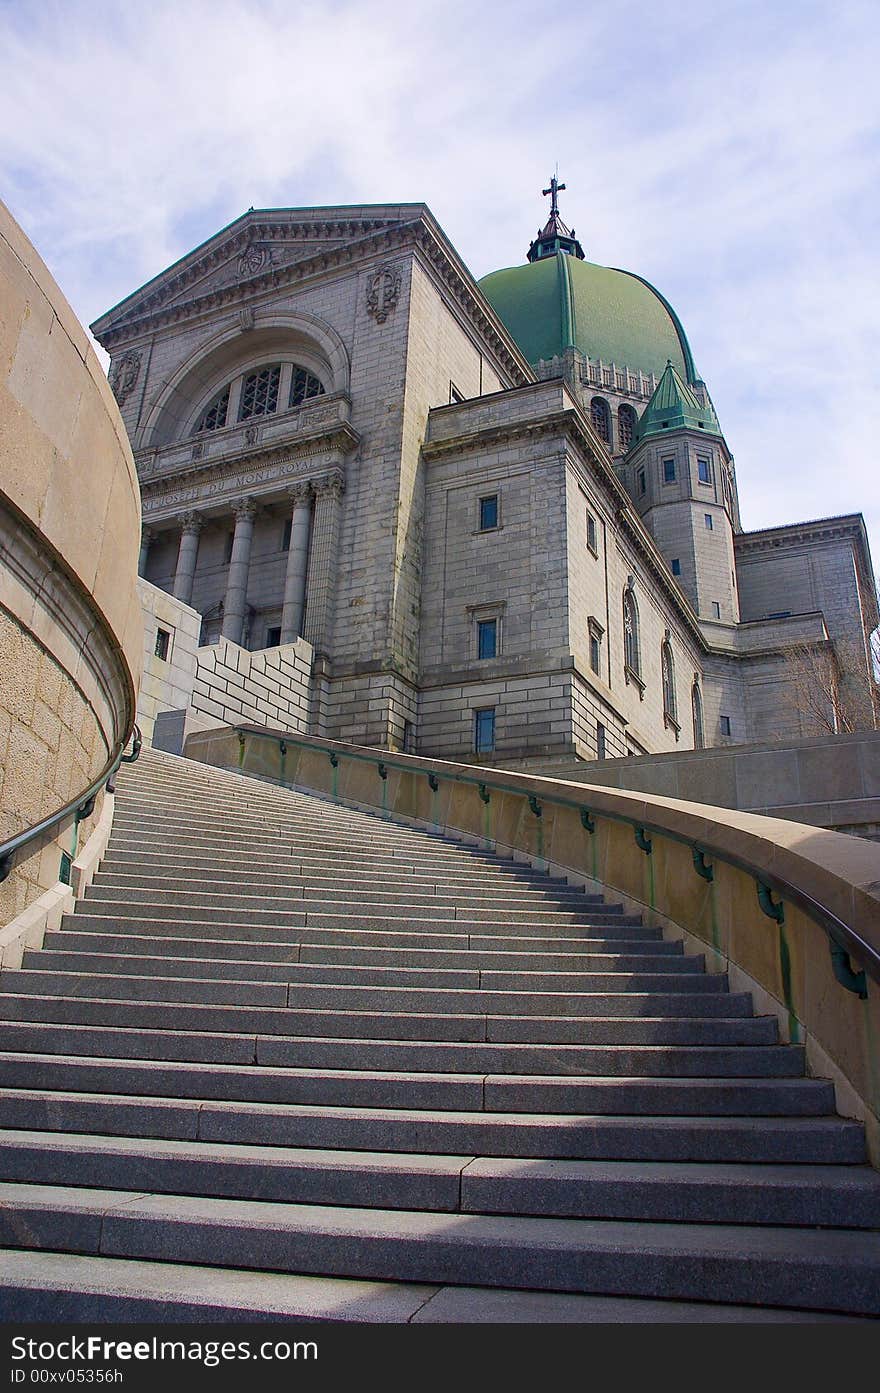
(622,349)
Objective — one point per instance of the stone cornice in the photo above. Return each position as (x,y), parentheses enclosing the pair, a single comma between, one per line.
(343,439)
(152,311)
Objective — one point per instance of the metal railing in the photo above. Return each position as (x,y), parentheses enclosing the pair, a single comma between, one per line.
(843,940)
(35,838)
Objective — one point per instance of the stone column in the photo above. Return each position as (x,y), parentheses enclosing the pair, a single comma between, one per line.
(147,536)
(323,560)
(190,527)
(297,562)
(235,603)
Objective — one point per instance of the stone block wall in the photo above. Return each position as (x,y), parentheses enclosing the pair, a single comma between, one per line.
(268,688)
(167,682)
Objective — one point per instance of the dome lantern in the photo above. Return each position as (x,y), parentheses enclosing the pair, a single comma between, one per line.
(555,238)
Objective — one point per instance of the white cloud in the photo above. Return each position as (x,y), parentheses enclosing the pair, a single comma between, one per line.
(728,151)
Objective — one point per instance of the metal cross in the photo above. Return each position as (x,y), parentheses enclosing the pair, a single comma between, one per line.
(554,188)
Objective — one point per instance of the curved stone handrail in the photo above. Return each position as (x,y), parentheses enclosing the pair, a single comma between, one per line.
(714,875)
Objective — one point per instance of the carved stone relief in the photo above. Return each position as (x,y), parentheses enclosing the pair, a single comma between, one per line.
(383,291)
(124,375)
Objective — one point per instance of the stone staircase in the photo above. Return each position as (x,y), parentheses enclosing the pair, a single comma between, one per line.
(291,1060)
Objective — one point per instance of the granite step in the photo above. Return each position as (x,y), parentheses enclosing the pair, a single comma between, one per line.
(831,1269)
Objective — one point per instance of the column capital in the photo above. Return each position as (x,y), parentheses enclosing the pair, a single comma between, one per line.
(300,493)
(332,484)
(148,534)
(191,523)
(245,510)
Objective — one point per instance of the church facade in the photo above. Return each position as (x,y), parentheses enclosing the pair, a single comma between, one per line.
(504,515)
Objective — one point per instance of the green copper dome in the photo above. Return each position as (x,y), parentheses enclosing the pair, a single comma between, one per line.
(560,301)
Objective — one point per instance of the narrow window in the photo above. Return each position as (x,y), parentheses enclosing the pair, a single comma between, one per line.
(259,392)
(285,535)
(626,425)
(704,470)
(600,417)
(642,483)
(489,513)
(484,730)
(716,610)
(676,566)
(487,638)
(725,725)
(707,518)
(591,534)
(631,655)
(227,551)
(408,738)
(697,707)
(303,386)
(595,637)
(600,740)
(669,471)
(273,636)
(667,668)
(214,415)
(163,639)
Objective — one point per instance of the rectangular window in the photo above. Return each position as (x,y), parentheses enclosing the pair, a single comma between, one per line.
(489,513)
(408,738)
(227,552)
(642,484)
(707,518)
(487,638)
(285,535)
(716,610)
(591,534)
(725,725)
(484,730)
(163,640)
(669,471)
(259,393)
(600,740)
(676,566)
(273,636)
(595,653)
(704,470)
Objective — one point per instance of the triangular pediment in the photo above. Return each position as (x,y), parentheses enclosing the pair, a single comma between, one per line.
(258,245)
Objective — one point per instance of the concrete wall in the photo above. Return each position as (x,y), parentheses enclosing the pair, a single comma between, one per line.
(829,781)
(70,616)
(167,683)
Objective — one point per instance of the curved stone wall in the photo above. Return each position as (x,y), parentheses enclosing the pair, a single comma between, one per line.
(70,621)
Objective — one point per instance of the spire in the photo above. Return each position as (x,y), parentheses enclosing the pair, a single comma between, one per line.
(674,406)
(555,237)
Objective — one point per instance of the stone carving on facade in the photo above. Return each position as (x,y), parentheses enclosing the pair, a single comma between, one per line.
(332,485)
(198,450)
(300,493)
(246,318)
(252,260)
(124,375)
(383,291)
(191,523)
(245,510)
(251,435)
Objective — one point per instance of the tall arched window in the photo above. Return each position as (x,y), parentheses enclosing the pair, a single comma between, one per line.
(631,651)
(626,425)
(601,418)
(697,704)
(667,668)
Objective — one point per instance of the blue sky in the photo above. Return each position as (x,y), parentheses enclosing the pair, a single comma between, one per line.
(727,150)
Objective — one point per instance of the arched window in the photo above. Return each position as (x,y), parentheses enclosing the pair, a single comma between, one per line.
(601,418)
(631,652)
(626,425)
(697,704)
(667,669)
(303,385)
(260,392)
(214,415)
